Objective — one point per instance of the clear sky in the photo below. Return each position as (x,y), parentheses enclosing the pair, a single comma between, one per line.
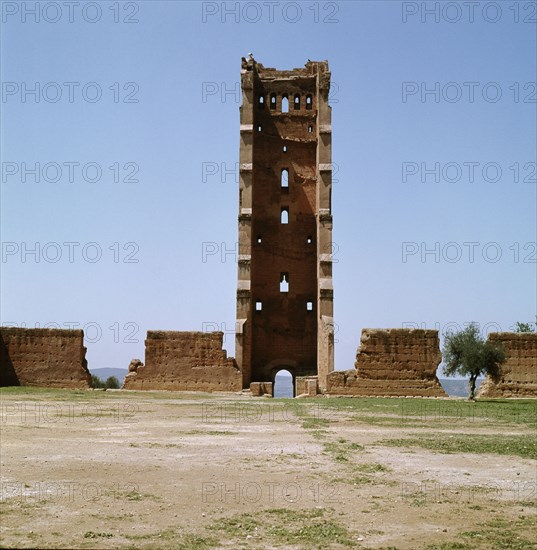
(431,92)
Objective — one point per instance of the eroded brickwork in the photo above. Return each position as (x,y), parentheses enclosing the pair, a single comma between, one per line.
(392,362)
(50,358)
(184,361)
(519,372)
(285,223)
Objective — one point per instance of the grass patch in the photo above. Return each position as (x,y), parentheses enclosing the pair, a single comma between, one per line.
(94,535)
(507,534)
(341,449)
(196,542)
(517,445)
(365,474)
(423,412)
(372,468)
(308,528)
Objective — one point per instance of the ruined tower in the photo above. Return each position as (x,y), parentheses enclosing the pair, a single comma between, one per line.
(285,293)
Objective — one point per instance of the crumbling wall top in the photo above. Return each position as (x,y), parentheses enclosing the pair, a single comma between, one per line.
(311,68)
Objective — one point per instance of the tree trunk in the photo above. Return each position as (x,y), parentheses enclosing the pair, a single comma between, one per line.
(473,378)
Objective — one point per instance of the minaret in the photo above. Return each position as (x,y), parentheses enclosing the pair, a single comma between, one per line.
(285,292)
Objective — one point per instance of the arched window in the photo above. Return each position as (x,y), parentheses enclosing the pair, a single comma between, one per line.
(284,149)
(285,104)
(273,101)
(309,103)
(284,178)
(310,129)
(261,102)
(284,218)
(297,102)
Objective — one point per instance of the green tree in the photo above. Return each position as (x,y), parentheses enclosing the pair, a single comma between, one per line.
(96,382)
(524,327)
(112,383)
(467,353)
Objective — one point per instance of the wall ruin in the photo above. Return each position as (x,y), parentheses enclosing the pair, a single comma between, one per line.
(52,358)
(392,362)
(184,361)
(519,372)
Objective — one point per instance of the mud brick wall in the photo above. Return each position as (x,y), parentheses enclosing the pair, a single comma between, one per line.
(519,372)
(52,358)
(392,362)
(185,361)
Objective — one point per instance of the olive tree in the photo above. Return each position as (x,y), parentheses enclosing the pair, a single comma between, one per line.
(524,327)
(467,353)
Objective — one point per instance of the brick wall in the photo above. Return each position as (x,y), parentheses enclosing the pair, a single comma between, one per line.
(392,362)
(519,372)
(51,358)
(187,361)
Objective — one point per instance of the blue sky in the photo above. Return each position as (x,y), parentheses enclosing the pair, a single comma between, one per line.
(168,117)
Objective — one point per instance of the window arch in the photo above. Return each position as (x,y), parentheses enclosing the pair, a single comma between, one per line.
(261,102)
(284,178)
(284,218)
(296,103)
(309,102)
(285,104)
(273,101)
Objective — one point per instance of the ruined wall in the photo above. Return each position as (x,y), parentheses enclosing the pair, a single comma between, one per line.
(50,358)
(519,372)
(392,362)
(185,361)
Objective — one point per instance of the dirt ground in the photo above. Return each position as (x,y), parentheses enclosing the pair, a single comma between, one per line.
(120,469)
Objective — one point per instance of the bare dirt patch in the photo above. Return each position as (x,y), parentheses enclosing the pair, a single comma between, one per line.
(86,469)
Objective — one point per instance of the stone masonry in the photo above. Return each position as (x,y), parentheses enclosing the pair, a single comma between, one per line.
(519,372)
(284,291)
(184,361)
(392,362)
(51,358)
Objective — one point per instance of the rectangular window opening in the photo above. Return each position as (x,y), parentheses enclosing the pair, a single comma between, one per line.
(284,282)
(259,306)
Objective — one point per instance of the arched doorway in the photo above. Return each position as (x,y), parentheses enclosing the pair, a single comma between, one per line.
(283,384)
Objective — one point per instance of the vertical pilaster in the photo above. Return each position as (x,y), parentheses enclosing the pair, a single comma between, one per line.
(325,296)
(244,306)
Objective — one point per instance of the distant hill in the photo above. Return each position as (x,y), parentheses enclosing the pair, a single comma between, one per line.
(455,388)
(458,388)
(103,374)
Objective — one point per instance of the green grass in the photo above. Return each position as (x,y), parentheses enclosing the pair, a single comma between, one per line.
(517,445)
(94,535)
(307,528)
(423,412)
(341,449)
(517,534)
